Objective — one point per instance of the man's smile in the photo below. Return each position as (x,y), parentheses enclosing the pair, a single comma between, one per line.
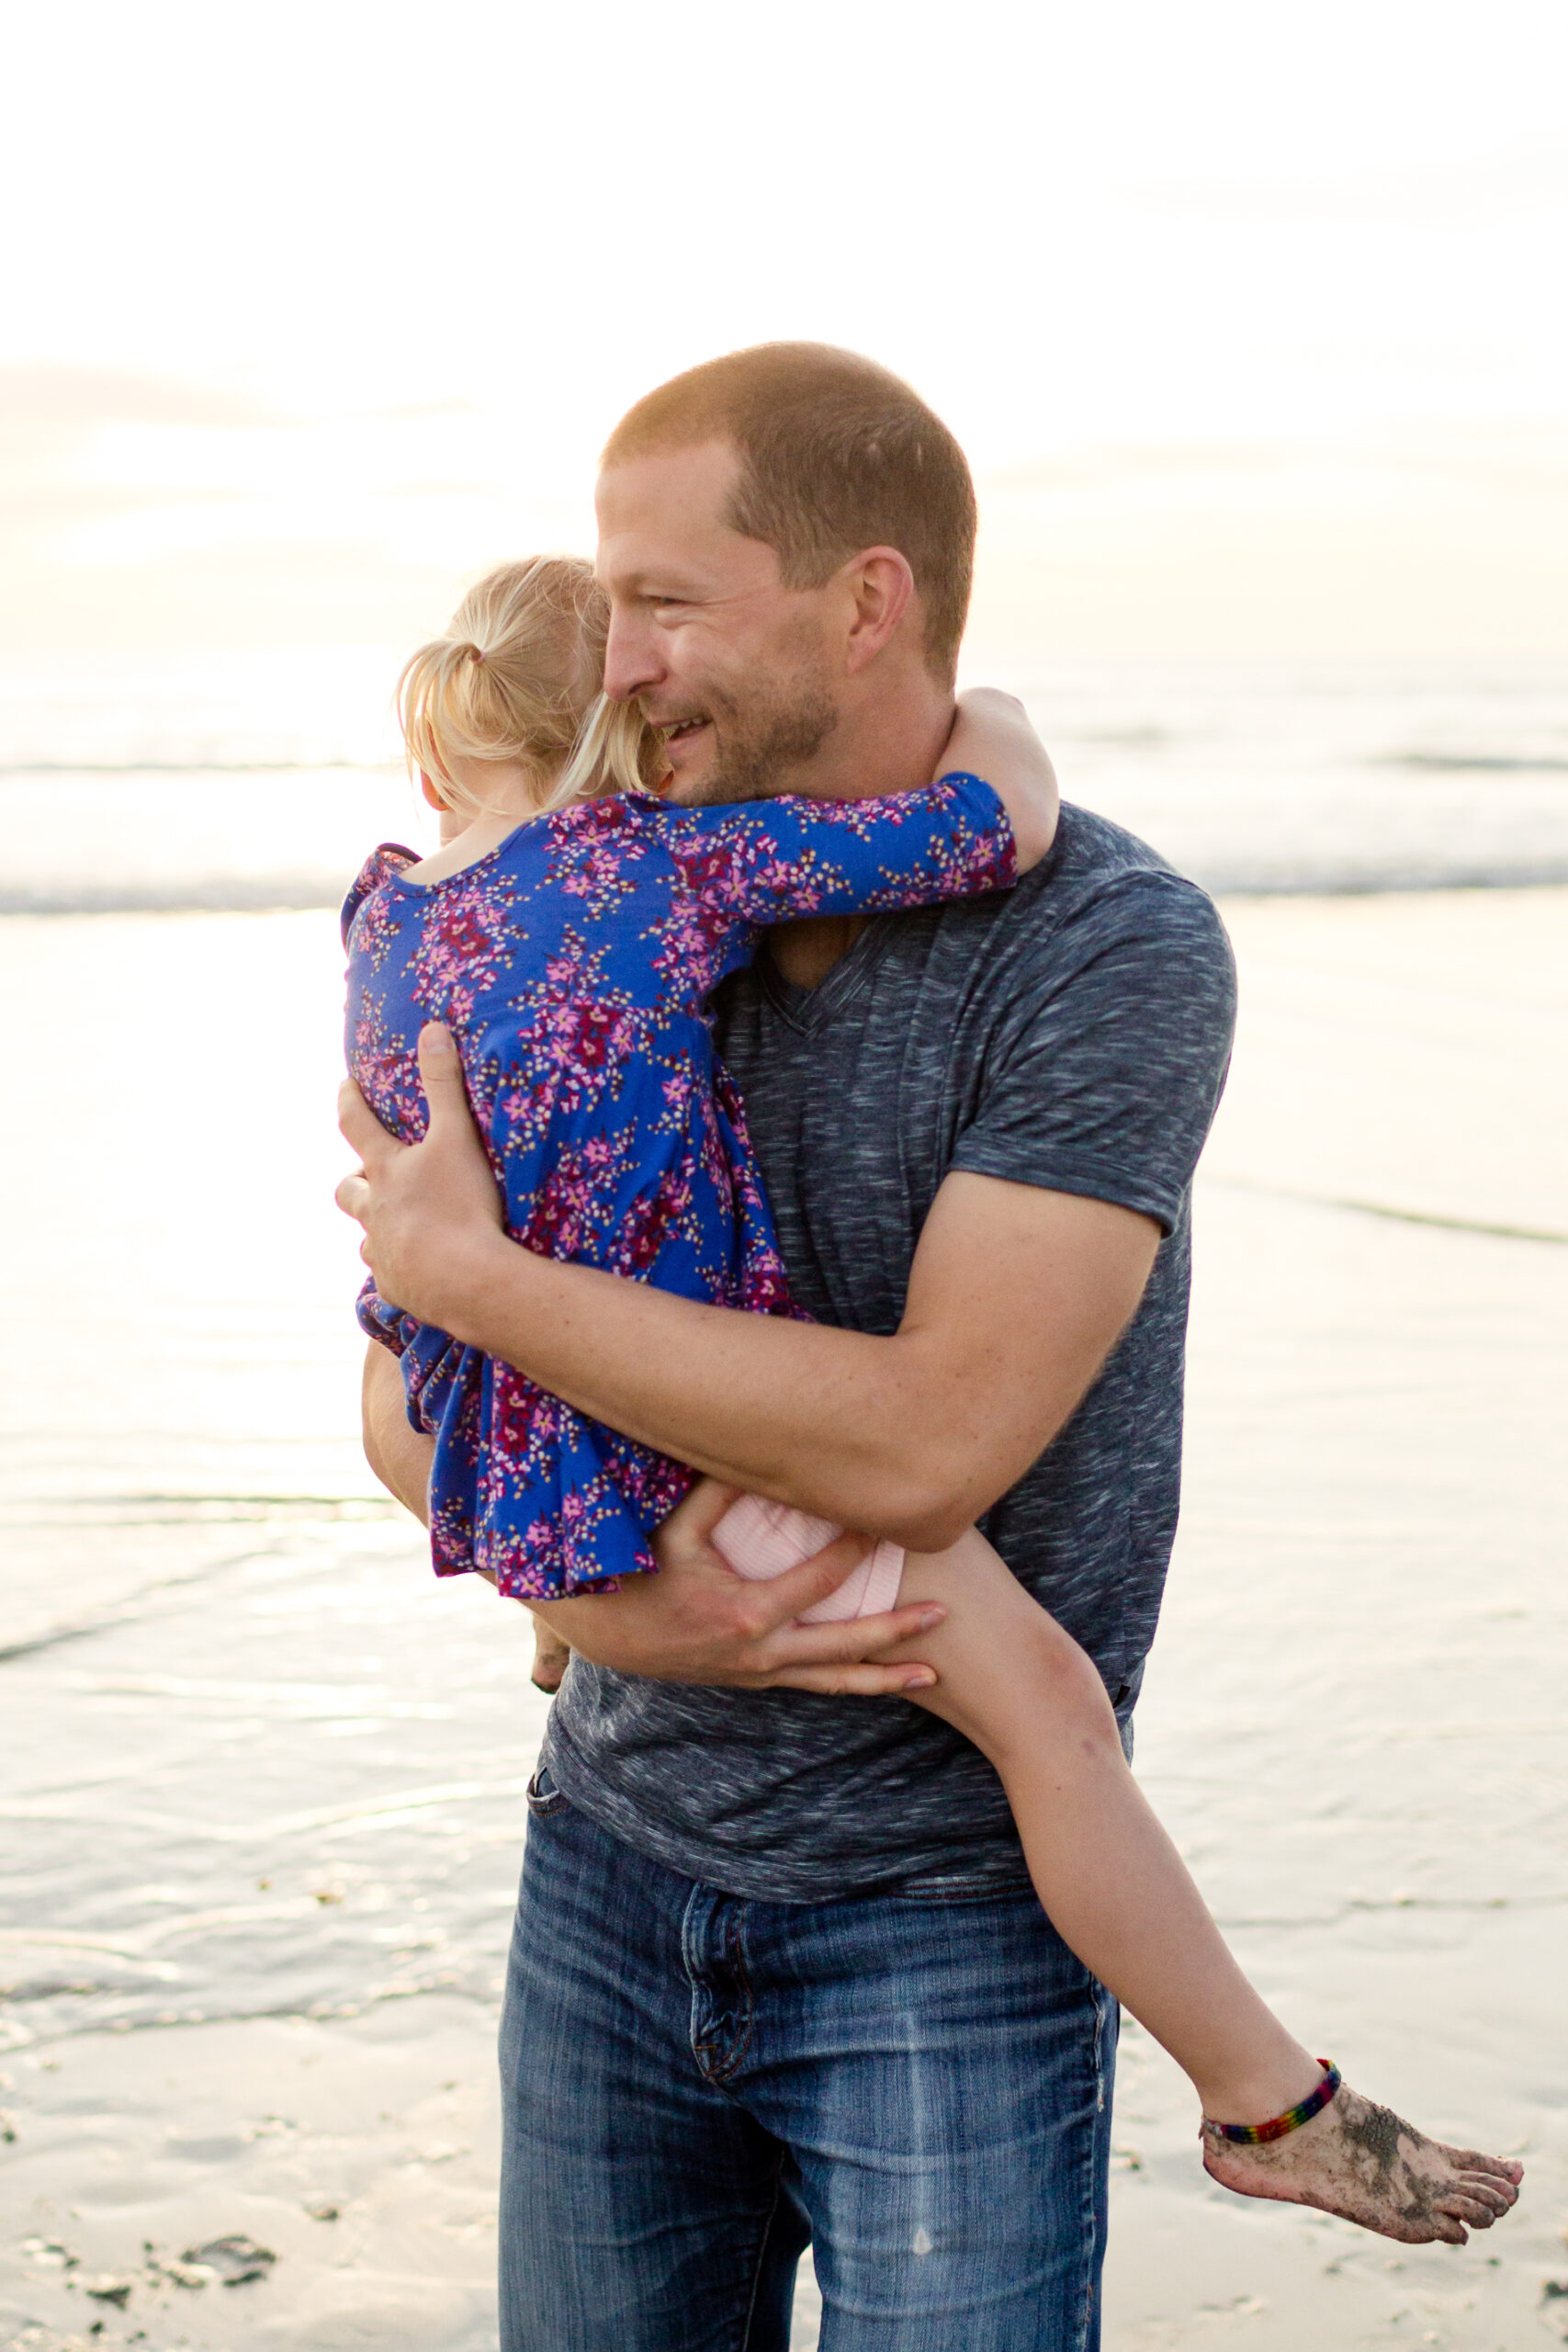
(682,735)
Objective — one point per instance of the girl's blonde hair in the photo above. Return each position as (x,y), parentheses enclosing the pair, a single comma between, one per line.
(517,676)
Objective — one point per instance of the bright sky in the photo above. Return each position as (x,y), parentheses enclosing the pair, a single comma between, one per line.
(1251,319)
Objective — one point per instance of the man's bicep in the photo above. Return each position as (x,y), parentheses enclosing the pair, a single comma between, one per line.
(1017,1295)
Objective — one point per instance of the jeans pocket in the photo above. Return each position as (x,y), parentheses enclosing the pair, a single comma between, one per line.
(544,1797)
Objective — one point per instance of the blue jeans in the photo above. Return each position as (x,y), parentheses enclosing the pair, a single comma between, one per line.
(695,2087)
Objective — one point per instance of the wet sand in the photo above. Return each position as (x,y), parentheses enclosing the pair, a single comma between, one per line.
(263,1779)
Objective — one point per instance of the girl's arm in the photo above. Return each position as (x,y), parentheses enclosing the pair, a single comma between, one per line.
(989,815)
(400,1456)
(775,861)
(992,737)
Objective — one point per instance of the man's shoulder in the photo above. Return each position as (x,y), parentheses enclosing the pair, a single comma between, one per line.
(1100,884)
(1092,859)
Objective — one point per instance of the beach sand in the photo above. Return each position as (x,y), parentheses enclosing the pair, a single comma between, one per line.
(263,1779)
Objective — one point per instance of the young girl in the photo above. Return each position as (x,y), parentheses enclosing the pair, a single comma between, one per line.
(568,935)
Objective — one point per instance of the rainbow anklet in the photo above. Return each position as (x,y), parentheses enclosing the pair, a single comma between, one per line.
(1251,2135)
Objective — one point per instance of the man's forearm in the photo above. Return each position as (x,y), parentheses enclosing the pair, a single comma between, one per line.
(795,1412)
(908,1437)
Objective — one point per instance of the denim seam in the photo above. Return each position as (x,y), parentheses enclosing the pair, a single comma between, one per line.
(1092,2230)
(720,2077)
(743,2340)
(542,1803)
(1003,1891)
(727,2071)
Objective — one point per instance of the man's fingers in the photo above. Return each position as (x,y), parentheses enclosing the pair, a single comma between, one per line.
(854,1681)
(353,1196)
(856,1640)
(359,1127)
(699,1512)
(441,1075)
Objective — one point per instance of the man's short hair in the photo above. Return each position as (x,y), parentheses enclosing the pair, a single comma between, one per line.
(837,454)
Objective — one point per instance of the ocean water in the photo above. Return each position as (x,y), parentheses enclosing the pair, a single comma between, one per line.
(257,781)
(262,1776)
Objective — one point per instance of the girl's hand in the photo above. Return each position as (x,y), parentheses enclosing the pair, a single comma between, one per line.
(551,1658)
(992,738)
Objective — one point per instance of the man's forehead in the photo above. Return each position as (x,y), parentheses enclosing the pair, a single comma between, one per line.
(668,509)
(686,490)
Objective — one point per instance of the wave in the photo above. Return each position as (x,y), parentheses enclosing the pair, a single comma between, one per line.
(1477,762)
(1399,1216)
(329,765)
(218,894)
(1239,876)
(1241,879)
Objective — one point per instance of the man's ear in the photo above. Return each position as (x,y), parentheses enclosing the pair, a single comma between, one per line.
(881,589)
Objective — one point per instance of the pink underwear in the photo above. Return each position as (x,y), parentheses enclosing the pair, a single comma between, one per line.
(760,1540)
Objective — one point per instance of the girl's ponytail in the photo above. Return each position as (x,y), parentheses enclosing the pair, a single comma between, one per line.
(516,677)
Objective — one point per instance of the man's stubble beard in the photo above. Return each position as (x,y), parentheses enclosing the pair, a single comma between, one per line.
(758,748)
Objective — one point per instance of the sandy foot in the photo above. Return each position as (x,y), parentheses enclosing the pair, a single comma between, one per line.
(1369,2165)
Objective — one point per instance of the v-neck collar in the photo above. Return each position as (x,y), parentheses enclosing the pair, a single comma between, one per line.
(809,1010)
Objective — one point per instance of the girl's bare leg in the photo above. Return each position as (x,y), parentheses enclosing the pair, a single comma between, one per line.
(551,1658)
(1120,1896)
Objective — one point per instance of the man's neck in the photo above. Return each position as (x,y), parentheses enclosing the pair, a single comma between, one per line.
(889,740)
(892,743)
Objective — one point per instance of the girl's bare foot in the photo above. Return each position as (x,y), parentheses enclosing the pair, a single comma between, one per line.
(1368,2165)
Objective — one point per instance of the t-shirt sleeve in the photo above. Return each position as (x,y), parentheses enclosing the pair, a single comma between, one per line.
(769,861)
(1106,1064)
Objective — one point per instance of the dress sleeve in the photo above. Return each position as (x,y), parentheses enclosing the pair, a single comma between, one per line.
(385,860)
(768,861)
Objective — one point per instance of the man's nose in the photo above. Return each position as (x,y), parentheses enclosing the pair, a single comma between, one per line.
(631,657)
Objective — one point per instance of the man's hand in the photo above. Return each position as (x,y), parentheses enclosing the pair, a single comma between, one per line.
(431,1212)
(698,1621)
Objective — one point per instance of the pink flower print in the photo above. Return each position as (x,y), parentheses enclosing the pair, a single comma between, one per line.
(462,946)
(387,1072)
(526,1429)
(572,1040)
(590,852)
(653,1482)
(375,929)
(697,944)
(451,1539)
(573,1206)
(646,1228)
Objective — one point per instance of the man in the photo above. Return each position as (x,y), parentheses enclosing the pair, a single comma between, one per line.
(778,1975)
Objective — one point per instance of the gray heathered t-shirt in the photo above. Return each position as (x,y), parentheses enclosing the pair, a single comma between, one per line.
(1073,1033)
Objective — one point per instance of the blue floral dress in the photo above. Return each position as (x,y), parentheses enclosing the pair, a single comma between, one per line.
(572,964)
